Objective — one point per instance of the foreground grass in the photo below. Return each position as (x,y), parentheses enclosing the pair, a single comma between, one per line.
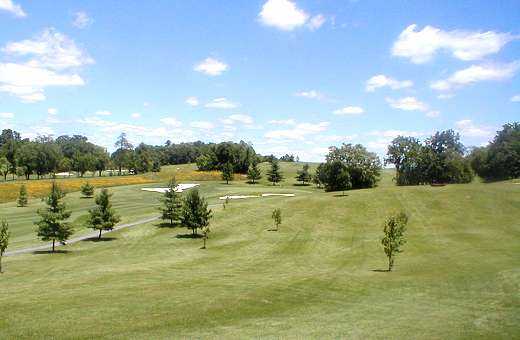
(319,276)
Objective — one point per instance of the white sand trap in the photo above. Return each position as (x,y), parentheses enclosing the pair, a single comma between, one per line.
(284,195)
(237,197)
(64,174)
(178,188)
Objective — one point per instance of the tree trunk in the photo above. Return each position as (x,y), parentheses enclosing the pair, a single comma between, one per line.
(1,263)
(99,237)
(204,247)
(53,241)
(390,263)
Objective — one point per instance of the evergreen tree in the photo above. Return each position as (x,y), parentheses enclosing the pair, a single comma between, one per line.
(253,173)
(227,172)
(52,225)
(304,175)
(195,212)
(87,190)
(4,240)
(22,197)
(277,217)
(274,174)
(171,204)
(102,217)
(394,230)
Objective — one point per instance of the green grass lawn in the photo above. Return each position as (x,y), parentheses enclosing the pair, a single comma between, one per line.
(319,276)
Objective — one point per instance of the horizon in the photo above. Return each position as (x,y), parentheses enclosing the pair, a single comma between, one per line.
(291,77)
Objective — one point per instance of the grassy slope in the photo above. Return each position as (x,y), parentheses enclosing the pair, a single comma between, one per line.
(316,277)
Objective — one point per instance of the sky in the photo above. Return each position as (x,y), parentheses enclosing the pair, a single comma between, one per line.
(289,76)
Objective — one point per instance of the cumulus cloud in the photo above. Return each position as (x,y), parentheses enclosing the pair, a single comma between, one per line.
(311,94)
(477,73)
(221,103)
(6,115)
(192,101)
(349,111)
(467,128)
(289,121)
(51,59)
(316,22)
(282,14)
(211,67)
(407,104)
(515,98)
(171,121)
(10,6)
(204,125)
(238,118)
(52,111)
(433,114)
(82,20)
(135,115)
(298,132)
(381,80)
(421,45)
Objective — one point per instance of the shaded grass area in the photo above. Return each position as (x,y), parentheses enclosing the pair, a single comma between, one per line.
(321,275)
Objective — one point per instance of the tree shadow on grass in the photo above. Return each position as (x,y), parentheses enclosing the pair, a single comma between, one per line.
(86,198)
(381,270)
(167,225)
(189,236)
(301,185)
(97,239)
(341,195)
(59,251)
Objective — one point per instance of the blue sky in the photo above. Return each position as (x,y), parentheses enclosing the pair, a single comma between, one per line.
(288,76)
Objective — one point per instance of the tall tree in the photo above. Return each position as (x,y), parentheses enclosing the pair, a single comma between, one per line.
(52,225)
(103,216)
(171,208)
(336,176)
(123,155)
(274,174)
(303,175)
(4,167)
(22,196)
(227,172)
(253,173)
(394,239)
(4,240)
(195,212)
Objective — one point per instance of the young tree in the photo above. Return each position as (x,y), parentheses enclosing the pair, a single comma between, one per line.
(274,175)
(277,217)
(52,224)
(102,217)
(87,190)
(195,212)
(394,229)
(304,175)
(4,167)
(205,235)
(253,173)
(4,240)
(22,197)
(227,172)
(171,204)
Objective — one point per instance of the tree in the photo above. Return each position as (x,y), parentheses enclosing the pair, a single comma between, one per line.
(274,174)
(277,217)
(394,239)
(171,204)
(87,190)
(304,175)
(123,155)
(4,240)
(205,235)
(253,173)
(22,196)
(4,167)
(195,212)
(52,224)
(102,217)
(336,176)
(319,176)
(227,172)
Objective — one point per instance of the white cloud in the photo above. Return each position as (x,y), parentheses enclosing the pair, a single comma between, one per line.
(515,98)
(171,121)
(135,115)
(211,67)
(52,111)
(298,132)
(421,46)
(336,138)
(10,6)
(238,118)
(407,104)
(311,94)
(192,101)
(316,22)
(6,115)
(381,80)
(282,14)
(477,73)
(221,103)
(445,95)
(204,125)
(391,134)
(349,111)
(51,59)
(432,114)
(467,128)
(82,20)
(289,121)
(103,113)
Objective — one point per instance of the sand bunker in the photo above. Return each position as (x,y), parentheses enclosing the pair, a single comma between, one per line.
(178,188)
(284,195)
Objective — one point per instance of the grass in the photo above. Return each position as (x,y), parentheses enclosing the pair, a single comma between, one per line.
(319,276)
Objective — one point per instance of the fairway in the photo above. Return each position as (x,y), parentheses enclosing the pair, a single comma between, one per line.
(322,275)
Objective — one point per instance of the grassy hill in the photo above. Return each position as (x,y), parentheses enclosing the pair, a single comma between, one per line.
(321,275)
